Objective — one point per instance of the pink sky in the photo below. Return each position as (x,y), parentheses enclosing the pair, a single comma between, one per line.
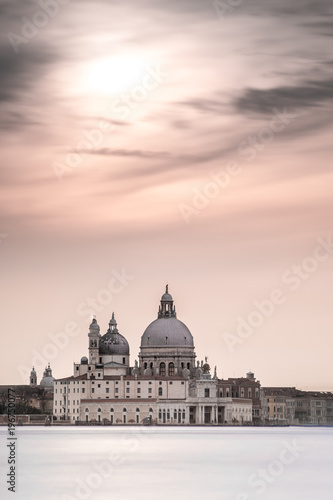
(116,118)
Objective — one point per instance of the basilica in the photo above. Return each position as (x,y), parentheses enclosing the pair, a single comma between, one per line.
(167,385)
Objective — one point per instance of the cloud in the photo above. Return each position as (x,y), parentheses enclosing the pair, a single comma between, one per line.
(307,95)
(324,28)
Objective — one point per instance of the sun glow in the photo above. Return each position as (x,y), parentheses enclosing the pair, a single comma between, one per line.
(116,74)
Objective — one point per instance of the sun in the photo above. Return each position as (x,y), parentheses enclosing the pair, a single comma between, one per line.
(116,74)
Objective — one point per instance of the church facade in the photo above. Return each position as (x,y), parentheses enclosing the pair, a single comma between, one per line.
(166,386)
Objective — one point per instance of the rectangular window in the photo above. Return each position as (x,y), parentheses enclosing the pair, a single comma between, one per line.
(138,390)
(83,389)
(149,390)
(127,389)
(93,390)
(116,390)
(99,385)
(207,391)
(107,390)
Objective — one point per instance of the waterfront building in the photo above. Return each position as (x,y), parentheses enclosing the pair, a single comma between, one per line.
(167,385)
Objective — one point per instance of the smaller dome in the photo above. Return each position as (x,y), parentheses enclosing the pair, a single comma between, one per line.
(206,367)
(113,342)
(84,360)
(48,379)
(47,382)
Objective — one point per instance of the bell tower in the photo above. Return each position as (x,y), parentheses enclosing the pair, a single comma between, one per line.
(33,377)
(94,337)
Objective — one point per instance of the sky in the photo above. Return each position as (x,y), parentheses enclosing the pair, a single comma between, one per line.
(180,142)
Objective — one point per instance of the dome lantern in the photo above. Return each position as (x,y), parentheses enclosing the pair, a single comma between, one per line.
(167,309)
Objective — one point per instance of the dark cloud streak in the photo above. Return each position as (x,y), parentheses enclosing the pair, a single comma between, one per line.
(309,94)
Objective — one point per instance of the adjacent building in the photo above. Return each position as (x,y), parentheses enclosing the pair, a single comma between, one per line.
(291,406)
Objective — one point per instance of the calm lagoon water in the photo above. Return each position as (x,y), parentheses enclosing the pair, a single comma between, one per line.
(162,463)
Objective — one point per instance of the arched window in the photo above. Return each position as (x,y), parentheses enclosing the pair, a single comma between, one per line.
(145,365)
(124,409)
(162,369)
(182,365)
(151,365)
(99,410)
(87,409)
(160,392)
(188,366)
(111,409)
(171,369)
(150,410)
(138,409)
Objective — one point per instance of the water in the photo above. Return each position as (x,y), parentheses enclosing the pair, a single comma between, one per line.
(159,463)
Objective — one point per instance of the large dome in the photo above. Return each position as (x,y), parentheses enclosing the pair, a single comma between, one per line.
(113,342)
(167,332)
